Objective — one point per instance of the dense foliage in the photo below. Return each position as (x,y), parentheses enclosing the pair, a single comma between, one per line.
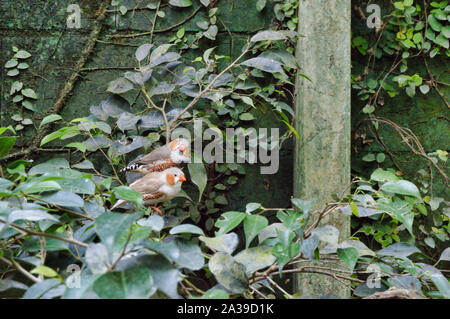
(58,237)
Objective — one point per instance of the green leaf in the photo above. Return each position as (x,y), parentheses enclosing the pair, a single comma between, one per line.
(268,35)
(185,253)
(309,245)
(400,210)
(205,2)
(228,221)
(211,33)
(246,117)
(16,87)
(143,51)
(40,288)
(18,98)
(402,187)
(38,187)
(247,100)
(226,243)
(77,185)
(28,105)
(215,293)
(62,133)
(50,118)
(11,64)
(251,207)
(399,250)
(291,219)
(362,249)
(445,254)
(303,205)
(285,249)
(119,86)
(155,222)
(5,184)
(264,64)
(30,215)
(186,228)
(198,174)
(368,157)
(381,157)
(97,258)
(349,256)
(380,175)
(113,229)
(13,72)
(65,199)
(327,233)
(29,93)
(136,283)
(181,3)
(6,144)
(228,272)
(255,258)
(442,41)
(446,31)
(180,33)
(23,66)
(123,10)
(51,165)
(260,5)
(253,224)
(45,271)
(435,24)
(128,194)
(22,54)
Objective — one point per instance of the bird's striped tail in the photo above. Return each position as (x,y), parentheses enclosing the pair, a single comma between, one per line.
(129,168)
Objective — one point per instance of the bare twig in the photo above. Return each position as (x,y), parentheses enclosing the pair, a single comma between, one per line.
(134,35)
(12,263)
(208,87)
(58,207)
(35,233)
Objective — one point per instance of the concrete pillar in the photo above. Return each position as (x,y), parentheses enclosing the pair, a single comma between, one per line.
(322,153)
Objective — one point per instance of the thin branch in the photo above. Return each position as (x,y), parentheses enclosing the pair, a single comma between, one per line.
(59,207)
(35,233)
(192,103)
(12,263)
(133,35)
(279,287)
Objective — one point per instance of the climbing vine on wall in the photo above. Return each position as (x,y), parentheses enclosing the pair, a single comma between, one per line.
(395,60)
(63,209)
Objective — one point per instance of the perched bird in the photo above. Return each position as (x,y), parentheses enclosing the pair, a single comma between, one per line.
(170,155)
(157,187)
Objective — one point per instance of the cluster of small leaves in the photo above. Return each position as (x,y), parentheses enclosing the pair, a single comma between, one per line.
(408,31)
(411,32)
(53,209)
(20,94)
(286,13)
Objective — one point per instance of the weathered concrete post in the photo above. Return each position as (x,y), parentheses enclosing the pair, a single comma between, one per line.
(322,155)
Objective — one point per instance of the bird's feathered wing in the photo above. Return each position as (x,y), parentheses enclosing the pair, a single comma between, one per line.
(157,154)
(148,184)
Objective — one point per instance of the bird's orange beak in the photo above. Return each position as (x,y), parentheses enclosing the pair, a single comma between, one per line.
(182,178)
(182,147)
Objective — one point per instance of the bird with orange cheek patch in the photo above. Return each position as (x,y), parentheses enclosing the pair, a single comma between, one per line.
(157,187)
(172,154)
